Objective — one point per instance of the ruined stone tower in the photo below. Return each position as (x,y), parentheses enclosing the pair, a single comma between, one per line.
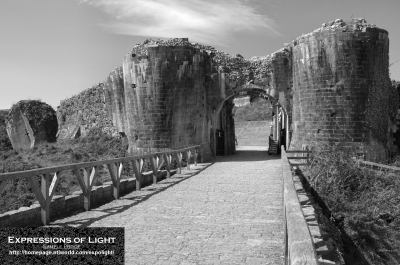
(342,89)
(330,87)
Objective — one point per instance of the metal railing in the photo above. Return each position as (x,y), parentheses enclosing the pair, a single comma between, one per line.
(299,246)
(87,172)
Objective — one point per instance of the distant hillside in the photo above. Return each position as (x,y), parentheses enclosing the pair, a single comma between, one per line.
(252,133)
(258,110)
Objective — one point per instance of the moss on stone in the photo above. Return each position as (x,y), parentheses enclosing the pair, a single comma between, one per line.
(40,115)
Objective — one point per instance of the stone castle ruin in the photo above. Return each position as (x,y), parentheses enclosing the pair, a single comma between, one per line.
(30,122)
(330,86)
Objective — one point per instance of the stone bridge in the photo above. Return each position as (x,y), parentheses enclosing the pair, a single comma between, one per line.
(330,86)
(231,211)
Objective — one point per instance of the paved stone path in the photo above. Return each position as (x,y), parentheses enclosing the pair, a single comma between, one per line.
(227,212)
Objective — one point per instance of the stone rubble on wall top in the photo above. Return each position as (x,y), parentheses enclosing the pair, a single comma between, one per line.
(236,67)
(141,48)
(355,24)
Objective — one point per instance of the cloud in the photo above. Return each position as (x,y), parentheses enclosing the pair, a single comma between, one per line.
(205,21)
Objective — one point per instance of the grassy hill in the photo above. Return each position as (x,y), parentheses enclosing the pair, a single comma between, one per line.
(258,110)
(252,133)
(95,146)
(252,123)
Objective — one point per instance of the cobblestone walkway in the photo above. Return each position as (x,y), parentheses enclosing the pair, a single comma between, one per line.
(228,212)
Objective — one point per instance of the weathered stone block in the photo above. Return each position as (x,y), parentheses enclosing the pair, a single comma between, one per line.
(30,122)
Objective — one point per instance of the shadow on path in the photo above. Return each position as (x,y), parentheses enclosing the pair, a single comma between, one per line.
(248,155)
(84,219)
(135,197)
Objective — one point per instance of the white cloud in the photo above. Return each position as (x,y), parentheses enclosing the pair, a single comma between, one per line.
(206,21)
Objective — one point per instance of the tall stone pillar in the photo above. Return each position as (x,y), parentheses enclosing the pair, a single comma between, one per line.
(341,85)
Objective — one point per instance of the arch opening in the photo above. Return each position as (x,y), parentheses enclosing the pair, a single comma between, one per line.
(224,138)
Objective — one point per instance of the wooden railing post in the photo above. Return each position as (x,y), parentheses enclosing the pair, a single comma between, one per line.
(138,173)
(44,193)
(188,153)
(195,152)
(154,160)
(87,195)
(86,182)
(202,154)
(168,159)
(179,161)
(115,178)
(86,199)
(45,211)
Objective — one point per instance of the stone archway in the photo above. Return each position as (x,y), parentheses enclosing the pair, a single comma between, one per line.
(223,121)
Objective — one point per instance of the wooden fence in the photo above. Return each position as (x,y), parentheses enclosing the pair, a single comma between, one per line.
(299,246)
(87,172)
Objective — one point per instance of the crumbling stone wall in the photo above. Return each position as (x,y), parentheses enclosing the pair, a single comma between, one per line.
(395,125)
(160,105)
(332,83)
(115,99)
(82,112)
(341,87)
(30,122)
(270,74)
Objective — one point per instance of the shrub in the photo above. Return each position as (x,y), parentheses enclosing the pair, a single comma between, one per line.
(363,202)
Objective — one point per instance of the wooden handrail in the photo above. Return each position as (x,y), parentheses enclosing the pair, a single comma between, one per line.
(298,151)
(87,172)
(40,171)
(372,164)
(299,246)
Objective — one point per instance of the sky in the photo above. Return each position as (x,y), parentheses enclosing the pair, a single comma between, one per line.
(54,49)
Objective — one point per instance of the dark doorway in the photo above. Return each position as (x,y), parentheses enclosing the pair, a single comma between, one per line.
(220,142)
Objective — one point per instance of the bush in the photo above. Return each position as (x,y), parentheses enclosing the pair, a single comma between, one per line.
(364,203)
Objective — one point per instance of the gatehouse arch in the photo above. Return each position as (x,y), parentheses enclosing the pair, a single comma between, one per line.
(332,85)
(224,125)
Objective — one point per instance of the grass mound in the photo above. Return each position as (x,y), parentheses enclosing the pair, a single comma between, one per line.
(41,116)
(363,203)
(95,146)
